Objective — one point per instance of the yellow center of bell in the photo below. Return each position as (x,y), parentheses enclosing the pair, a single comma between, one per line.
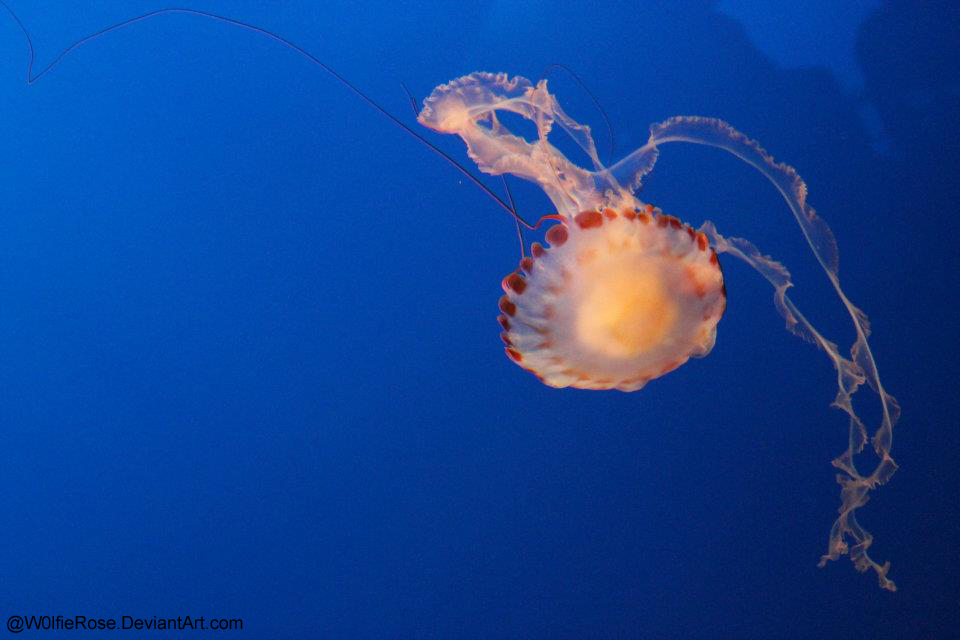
(626,313)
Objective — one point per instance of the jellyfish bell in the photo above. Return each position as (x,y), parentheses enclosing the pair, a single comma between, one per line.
(619,298)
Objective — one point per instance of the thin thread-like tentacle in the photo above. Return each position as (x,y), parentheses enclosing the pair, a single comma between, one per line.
(516,219)
(596,103)
(513,205)
(31,77)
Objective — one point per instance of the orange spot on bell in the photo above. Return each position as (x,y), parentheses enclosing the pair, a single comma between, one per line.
(609,213)
(537,249)
(702,241)
(513,354)
(504,322)
(526,264)
(506,338)
(629,214)
(514,282)
(557,235)
(588,219)
(713,257)
(507,307)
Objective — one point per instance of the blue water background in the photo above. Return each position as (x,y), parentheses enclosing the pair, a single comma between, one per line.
(250,364)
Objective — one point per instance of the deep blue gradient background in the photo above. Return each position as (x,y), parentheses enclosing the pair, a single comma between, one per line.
(249,362)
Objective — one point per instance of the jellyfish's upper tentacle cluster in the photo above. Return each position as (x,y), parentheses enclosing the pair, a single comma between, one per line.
(468,108)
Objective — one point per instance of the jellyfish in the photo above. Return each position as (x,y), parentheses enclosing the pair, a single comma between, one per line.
(625,293)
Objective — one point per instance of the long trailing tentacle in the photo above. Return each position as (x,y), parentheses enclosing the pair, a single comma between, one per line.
(852,371)
(32,77)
